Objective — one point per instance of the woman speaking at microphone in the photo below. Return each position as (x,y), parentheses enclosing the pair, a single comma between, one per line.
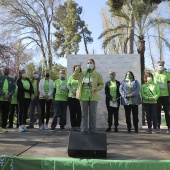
(90,82)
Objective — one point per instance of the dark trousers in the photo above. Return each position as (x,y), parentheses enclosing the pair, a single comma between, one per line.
(134,109)
(151,112)
(5,105)
(111,111)
(163,101)
(60,109)
(13,109)
(75,112)
(23,105)
(45,104)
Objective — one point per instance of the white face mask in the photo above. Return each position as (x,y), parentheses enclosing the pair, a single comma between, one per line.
(62,75)
(160,68)
(90,66)
(149,79)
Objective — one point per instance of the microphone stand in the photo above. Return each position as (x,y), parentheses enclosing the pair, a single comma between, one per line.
(89,84)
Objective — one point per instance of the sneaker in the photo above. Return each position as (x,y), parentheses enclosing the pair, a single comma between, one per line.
(154,131)
(4,130)
(78,129)
(108,129)
(46,127)
(168,131)
(62,129)
(10,126)
(25,128)
(41,127)
(52,129)
(21,129)
(73,129)
(116,129)
(148,131)
(158,130)
(30,126)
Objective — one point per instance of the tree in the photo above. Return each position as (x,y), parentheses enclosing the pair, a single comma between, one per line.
(30,21)
(70,29)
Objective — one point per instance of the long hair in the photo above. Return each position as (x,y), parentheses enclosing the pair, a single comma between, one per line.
(133,77)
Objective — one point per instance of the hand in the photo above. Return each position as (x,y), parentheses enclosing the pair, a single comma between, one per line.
(79,65)
(47,98)
(113,100)
(130,95)
(32,97)
(95,90)
(151,98)
(6,96)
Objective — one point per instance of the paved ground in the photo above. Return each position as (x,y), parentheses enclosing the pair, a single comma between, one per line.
(120,146)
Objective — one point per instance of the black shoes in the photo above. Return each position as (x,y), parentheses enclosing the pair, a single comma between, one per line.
(116,129)
(108,129)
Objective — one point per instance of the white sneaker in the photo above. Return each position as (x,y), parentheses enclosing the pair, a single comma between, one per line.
(41,127)
(154,131)
(21,129)
(46,127)
(168,131)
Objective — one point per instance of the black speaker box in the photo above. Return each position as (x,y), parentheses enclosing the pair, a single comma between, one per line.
(91,145)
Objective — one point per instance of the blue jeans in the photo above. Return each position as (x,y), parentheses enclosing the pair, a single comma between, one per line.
(34,103)
(60,109)
(151,111)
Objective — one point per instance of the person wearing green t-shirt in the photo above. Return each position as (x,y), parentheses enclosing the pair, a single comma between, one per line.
(35,103)
(60,101)
(46,97)
(112,101)
(7,88)
(150,93)
(25,95)
(74,103)
(162,79)
(90,82)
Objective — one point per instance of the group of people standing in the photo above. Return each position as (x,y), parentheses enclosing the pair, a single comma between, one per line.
(81,92)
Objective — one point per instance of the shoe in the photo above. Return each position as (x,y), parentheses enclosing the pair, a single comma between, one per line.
(78,129)
(41,127)
(158,130)
(4,130)
(129,130)
(148,131)
(25,128)
(30,126)
(21,129)
(46,127)
(10,126)
(136,130)
(108,129)
(116,129)
(73,129)
(62,129)
(168,131)
(52,129)
(154,131)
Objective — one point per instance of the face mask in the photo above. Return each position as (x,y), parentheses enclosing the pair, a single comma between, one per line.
(160,68)
(149,79)
(24,75)
(36,76)
(62,75)
(6,72)
(128,77)
(90,66)
(47,75)
(112,76)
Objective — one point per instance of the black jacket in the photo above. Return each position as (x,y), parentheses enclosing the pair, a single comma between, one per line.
(107,92)
(22,90)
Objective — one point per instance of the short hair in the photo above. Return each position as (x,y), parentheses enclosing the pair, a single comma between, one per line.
(62,70)
(147,75)
(112,72)
(161,62)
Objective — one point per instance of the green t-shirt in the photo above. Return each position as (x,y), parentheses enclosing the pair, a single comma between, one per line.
(162,81)
(86,92)
(14,96)
(113,89)
(35,88)
(61,90)
(5,90)
(26,85)
(74,84)
(150,90)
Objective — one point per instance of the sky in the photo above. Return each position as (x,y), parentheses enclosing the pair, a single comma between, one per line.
(92,16)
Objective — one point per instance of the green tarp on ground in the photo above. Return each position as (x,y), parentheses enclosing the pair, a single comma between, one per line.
(8,162)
